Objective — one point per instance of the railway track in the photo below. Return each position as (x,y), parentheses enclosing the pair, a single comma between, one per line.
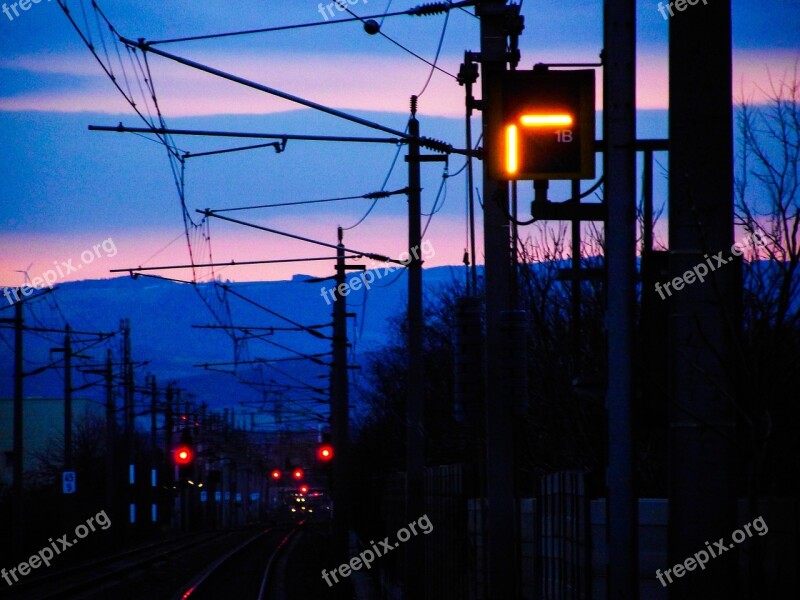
(249,570)
(96,578)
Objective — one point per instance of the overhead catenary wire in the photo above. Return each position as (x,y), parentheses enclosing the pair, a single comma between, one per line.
(369,196)
(383,187)
(421,10)
(312,357)
(436,58)
(271,328)
(283,137)
(157,252)
(144,74)
(300,381)
(278,146)
(144,47)
(463,9)
(187,220)
(300,408)
(299,327)
(308,330)
(386,12)
(107,67)
(198,234)
(405,48)
(233,263)
(258,361)
(263,88)
(372,255)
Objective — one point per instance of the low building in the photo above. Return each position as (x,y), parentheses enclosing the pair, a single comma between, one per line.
(43,424)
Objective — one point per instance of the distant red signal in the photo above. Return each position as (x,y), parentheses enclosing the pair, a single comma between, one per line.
(183,455)
(325,452)
(297,474)
(303,489)
(275,475)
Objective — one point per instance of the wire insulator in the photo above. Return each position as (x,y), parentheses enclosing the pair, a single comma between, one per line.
(433,8)
(413,105)
(435,145)
(376,195)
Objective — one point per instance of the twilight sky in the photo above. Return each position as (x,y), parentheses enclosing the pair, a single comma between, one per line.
(66,189)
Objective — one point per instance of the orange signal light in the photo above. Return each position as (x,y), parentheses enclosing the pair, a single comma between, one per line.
(540,120)
(529,121)
(512,149)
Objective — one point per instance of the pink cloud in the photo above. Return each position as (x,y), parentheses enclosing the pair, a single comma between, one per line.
(159,247)
(373,83)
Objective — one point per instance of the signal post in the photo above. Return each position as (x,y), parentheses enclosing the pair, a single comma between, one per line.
(537,125)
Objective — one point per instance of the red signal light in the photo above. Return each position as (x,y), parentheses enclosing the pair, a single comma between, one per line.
(325,452)
(183,455)
(303,489)
(297,474)
(276,474)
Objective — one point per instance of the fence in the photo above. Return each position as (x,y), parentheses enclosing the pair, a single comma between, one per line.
(554,542)
(447,547)
(564,543)
(561,542)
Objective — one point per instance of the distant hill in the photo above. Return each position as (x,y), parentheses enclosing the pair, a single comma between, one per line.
(162,314)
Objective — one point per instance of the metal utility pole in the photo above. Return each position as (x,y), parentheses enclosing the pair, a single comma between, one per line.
(154,475)
(340,408)
(703,316)
(108,376)
(575,283)
(168,426)
(68,356)
(153,412)
(111,433)
(467,76)
(415,399)
(127,377)
(619,125)
(168,420)
(67,350)
(468,382)
(19,503)
(340,413)
(501,509)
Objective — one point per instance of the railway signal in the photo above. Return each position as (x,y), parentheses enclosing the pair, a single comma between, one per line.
(297,474)
(183,455)
(325,452)
(275,475)
(548,125)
